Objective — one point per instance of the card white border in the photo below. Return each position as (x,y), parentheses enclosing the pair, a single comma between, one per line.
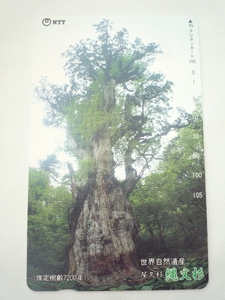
(16,31)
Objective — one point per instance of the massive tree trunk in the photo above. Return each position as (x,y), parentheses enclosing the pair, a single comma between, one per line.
(102,250)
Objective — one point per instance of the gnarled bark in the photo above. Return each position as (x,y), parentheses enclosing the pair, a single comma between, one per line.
(102,249)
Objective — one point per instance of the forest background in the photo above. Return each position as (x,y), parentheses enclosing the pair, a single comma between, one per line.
(168,204)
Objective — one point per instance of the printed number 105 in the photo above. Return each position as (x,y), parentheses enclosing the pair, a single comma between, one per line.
(197,195)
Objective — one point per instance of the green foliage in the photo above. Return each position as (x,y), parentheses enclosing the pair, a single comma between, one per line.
(50,165)
(155,208)
(86,167)
(169,213)
(48,232)
(138,116)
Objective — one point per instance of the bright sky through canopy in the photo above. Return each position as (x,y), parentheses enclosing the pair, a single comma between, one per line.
(51,41)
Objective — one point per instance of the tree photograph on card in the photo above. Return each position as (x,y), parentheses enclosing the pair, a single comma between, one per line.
(117,179)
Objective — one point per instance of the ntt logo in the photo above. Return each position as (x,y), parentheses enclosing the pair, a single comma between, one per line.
(47,22)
